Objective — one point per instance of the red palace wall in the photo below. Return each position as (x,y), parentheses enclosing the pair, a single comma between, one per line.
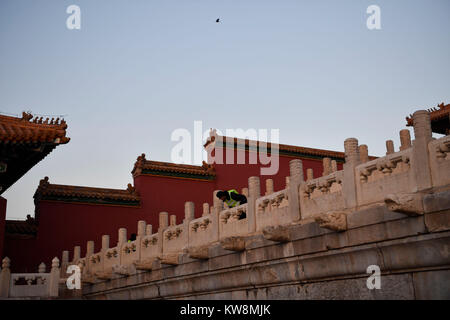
(25,255)
(159,194)
(63,225)
(2,224)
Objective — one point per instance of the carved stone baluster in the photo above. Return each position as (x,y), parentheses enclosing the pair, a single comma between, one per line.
(173,220)
(326,166)
(352,159)
(405,139)
(269,187)
(420,162)
(296,178)
(334,167)
(389,147)
(205,209)
(309,174)
(53,284)
(364,153)
(254,193)
(5,278)
(149,230)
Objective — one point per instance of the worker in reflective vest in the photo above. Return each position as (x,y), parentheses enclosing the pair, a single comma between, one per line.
(233,199)
(132,237)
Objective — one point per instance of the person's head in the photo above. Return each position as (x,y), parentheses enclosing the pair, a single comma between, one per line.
(133,237)
(222,195)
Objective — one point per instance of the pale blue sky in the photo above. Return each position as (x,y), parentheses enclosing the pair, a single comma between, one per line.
(137,70)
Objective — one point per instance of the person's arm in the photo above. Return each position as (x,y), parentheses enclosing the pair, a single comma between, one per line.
(239,197)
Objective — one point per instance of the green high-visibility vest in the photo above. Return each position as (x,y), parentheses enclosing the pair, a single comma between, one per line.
(232,203)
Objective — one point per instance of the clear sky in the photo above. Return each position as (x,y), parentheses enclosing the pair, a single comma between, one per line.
(139,69)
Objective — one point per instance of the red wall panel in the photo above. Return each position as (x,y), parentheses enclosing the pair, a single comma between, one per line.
(2,224)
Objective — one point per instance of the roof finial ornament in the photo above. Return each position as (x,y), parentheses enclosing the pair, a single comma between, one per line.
(212,132)
(44,182)
(26,116)
(210,168)
(141,159)
(130,188)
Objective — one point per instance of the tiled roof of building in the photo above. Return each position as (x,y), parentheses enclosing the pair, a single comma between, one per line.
(288,148)
(24,142)
(47,191)
(28,130)
(439,116)
(143,166)
(20,228)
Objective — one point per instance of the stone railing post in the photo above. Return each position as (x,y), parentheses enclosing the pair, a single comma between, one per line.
(65,258)
(334,167)
(254,192)
(189,215)
(217,203)
(269,186)
(288,181)
(352,159)
(189,212)
(215,211)
(141,228)
(122,239)
(149,230)
(326,162)
(105,247)
(42,268)
(76,254)
(5,278)
(389,147)
(105,242)
(296,178)
(309,174)
(54,278)
(163,224)
(363,153)
(163,221)
(420,162)
(205,209)
(64,263)
(405,139)
(172,220)
(89,249)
